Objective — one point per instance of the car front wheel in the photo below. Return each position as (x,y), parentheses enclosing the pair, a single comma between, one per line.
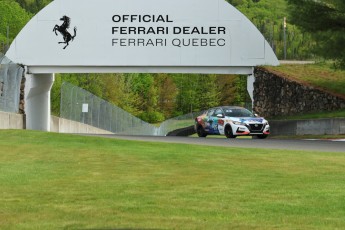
(228,132)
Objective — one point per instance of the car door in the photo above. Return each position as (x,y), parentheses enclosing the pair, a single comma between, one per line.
(214,121)
(208,120)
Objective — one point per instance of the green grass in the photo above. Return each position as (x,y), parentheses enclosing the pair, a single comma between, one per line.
(321,75)
(179,124)
(319,115)
(308,136)
(56,181)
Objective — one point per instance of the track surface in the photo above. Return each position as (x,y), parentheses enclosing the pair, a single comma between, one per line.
(304,145)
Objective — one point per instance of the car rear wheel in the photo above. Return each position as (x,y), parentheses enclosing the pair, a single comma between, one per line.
(201,132)
(228,132)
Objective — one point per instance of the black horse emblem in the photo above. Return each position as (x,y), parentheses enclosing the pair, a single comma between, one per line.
(67,37)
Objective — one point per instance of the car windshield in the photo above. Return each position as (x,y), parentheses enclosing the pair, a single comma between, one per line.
(238,113)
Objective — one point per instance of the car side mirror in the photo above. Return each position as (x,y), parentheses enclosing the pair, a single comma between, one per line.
(256,115)
(220,116)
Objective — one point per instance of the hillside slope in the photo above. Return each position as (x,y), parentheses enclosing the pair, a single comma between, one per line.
(298,89)
(319,76)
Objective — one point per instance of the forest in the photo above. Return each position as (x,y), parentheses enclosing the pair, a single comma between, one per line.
(157,97)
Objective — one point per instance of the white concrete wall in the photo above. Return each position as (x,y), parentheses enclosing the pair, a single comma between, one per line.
(61,125)
(331,126)
(11,121)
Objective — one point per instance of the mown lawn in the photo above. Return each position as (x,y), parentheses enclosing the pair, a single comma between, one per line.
(56,181)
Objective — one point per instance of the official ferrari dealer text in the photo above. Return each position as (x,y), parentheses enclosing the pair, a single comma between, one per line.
(133,35)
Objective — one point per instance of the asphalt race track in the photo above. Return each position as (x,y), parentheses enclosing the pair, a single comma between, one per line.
(304,145)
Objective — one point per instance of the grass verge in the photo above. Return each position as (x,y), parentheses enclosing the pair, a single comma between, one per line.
(55,181)
(319,115)
(320,75)
(304,137)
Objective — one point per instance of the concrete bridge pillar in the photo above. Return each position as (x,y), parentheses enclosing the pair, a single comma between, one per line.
(37,101)
(250,87)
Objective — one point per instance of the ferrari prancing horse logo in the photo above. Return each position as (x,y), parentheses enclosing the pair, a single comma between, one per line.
(67,37)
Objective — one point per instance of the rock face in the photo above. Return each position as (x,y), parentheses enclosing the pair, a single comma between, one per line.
(278,96)
(22,96)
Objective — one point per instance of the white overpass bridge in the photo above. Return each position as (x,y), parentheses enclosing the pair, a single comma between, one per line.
(130,36)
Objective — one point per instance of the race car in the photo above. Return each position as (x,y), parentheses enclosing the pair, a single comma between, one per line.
(231,121)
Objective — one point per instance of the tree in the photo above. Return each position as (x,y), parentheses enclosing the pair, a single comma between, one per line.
(186,99)
(325,19)
(118,91)
(13,17)
(167,92)
(227,88)
(144,85)
(237,2)
(196,92)
(267,16)
(33,6)
(207,92)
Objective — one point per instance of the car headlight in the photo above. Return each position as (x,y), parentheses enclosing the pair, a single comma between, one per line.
(238,123)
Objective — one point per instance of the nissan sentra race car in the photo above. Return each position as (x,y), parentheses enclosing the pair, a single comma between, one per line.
(231,121)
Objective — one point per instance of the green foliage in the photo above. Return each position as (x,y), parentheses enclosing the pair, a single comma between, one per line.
(152,116)
(325,19)
(167,93)
(33,6)
(207,92)
(316,16)
(268,17)
(156,97)
(196,92)
(241,96)
(12,17)
(118,90)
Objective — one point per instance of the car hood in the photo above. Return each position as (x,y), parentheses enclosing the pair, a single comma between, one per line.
(248,120)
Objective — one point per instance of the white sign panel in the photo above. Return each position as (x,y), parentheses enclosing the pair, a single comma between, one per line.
(85,108)
(140,33)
